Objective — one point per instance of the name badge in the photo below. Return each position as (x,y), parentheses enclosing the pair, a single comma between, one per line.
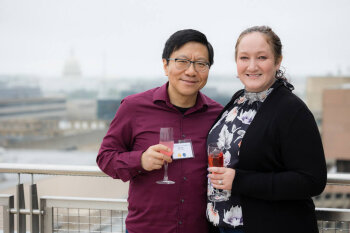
(183,150)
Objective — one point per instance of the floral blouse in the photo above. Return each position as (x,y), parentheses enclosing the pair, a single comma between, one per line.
(228,133)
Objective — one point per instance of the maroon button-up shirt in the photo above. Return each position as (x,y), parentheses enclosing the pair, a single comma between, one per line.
(180,207)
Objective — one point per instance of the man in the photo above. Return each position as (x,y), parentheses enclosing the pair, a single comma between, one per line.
(131,151)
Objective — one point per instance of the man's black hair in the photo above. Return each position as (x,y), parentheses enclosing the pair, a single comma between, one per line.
(182,37)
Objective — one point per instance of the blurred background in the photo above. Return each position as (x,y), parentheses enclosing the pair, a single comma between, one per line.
(66,65)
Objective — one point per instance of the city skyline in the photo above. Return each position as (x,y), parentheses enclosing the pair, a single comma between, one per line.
(125,39)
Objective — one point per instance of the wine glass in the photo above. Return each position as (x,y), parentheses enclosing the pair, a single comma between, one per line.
(166,138)
(216,159)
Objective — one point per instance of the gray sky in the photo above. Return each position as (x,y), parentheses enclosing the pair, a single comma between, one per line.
(128,36)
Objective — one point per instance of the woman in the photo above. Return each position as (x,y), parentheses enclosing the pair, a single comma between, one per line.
(273,155)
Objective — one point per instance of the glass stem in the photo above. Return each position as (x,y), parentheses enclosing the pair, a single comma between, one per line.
(165,171)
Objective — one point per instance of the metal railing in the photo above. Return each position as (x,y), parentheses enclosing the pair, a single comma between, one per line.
(68,214)
(59,214)
(83,214)
(49,169)
(338,178)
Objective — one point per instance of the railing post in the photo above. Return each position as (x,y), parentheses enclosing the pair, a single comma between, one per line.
(21,218)
(33,205)
(7,202)
(46,219)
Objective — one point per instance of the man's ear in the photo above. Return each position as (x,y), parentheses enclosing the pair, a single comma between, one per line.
(165,67)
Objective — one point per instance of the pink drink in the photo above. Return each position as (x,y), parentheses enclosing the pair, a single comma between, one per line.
(169,144)
(216,160)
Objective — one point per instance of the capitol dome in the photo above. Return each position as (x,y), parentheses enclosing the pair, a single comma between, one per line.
(72,66)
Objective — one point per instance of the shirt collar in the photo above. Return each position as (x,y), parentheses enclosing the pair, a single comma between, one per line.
(257,96)
(161,94)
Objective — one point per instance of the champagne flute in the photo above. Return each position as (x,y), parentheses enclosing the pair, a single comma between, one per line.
(166,138)
(216,159)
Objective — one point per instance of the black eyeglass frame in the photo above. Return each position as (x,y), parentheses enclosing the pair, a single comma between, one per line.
(190,62)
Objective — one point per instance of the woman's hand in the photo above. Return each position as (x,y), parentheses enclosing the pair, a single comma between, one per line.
(222,177)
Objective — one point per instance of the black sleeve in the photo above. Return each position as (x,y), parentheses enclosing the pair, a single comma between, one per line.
(305,173)
(212,228)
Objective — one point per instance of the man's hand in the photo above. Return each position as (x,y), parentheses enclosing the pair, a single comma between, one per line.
(152,159)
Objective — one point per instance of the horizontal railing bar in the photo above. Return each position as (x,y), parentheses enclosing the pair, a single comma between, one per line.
(90,231)
(82,216)
(26,211)
(115,223)
(338,178)
(91,224)
(76,199)
(49,169)
(332,214)
(85,203)
(322,213)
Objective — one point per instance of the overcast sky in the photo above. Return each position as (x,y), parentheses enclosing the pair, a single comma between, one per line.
(126,37)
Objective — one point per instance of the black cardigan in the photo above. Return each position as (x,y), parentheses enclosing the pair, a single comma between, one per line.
(281,166)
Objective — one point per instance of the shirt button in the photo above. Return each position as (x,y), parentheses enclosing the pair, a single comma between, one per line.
(139,172)
(185,178)
(183,135)
(182,200)
(180,222)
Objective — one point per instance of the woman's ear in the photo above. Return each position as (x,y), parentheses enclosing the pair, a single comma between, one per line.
(278,64)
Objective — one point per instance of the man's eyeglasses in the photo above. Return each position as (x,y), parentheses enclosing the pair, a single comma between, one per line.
(184,64)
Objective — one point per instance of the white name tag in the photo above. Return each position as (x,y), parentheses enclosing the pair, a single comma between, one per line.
(183,150)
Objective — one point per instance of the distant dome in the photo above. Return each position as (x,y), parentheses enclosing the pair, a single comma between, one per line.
(71,66)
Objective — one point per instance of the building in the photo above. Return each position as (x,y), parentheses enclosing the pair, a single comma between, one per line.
(331,98)
(30,118)
(315,87)
(72,66)
(25,113)
(336,126)
(107,108)
(32,108)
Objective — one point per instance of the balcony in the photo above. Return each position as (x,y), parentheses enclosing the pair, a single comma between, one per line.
(94,214)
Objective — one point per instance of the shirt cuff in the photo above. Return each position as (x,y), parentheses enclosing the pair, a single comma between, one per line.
(135,163)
